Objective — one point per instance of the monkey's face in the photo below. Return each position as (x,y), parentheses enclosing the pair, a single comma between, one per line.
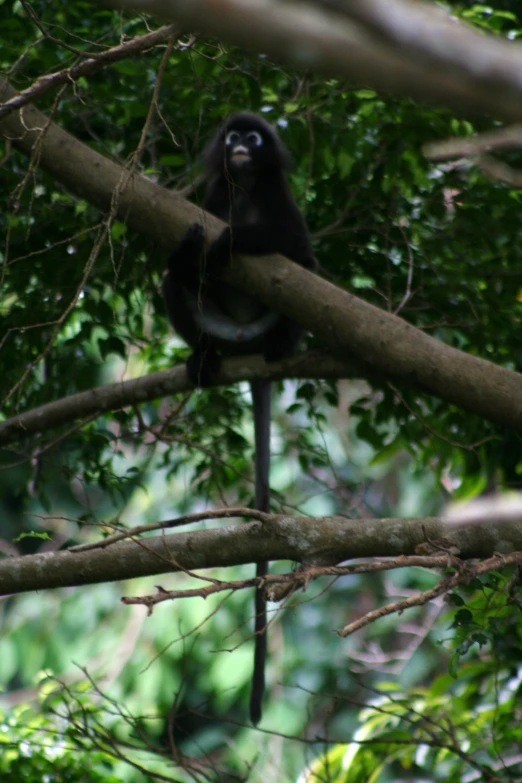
(246,150)
(245,145)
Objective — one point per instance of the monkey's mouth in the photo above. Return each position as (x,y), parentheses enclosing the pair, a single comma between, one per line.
(240,157)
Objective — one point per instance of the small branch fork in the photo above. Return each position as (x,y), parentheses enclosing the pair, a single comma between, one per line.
(461,572)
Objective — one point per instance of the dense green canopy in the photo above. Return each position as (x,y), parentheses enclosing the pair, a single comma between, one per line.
(430,693)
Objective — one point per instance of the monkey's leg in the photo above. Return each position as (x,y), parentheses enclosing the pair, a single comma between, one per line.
(204,364)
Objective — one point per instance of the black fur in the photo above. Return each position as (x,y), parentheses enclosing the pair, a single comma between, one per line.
(247,188)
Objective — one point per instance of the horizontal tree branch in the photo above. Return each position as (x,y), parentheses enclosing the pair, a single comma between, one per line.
(155,385)
(403,48)
(349,327)
(472,146)
(281,537)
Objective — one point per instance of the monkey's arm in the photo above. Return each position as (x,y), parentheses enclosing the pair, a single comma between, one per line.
(183,263)
(182,273)
(259,240)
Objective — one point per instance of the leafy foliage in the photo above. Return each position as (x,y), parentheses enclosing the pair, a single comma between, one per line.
(36,747)
(437,243)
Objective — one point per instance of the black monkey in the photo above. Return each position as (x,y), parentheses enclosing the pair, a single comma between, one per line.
(245,166)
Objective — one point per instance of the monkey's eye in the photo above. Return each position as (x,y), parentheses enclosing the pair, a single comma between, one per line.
(255,138)
(232,137)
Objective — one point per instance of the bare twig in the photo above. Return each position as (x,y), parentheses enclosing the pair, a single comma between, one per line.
(187,519)
(463,574)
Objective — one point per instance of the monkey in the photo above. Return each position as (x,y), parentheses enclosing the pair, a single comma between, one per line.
(245,166)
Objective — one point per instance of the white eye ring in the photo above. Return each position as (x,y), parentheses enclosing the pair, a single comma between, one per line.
(255,137)
(232,137)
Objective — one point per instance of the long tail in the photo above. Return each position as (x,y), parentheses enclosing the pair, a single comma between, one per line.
(261,396)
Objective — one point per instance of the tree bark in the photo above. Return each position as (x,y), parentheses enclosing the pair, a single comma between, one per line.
(299,539)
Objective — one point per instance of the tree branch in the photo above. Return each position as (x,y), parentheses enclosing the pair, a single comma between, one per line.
(313,364)
(397,46)
(302,539)
(87,67)
(428,35)
(472,146)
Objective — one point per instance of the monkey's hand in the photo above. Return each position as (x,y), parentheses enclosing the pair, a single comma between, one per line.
(183,262)
(257,240)
(218,254)
(192,243)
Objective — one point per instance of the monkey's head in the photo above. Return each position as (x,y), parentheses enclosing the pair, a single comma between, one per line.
(245,143)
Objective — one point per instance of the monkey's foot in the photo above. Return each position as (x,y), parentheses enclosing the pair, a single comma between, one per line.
(203,366)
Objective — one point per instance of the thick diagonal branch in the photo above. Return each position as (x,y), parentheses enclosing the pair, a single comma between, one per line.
(403,47)
(349,327)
